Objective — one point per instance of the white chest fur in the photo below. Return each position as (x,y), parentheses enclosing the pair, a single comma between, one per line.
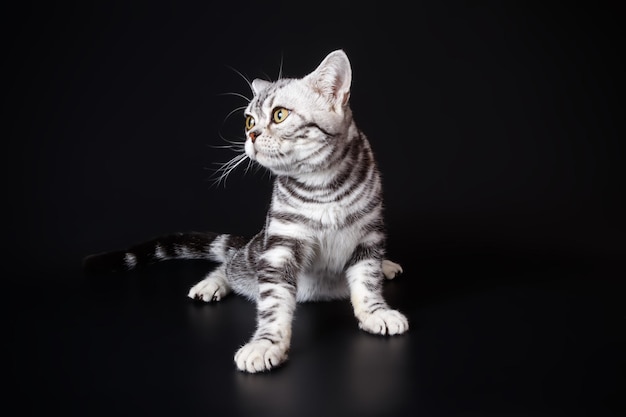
(325,278)
(335,248)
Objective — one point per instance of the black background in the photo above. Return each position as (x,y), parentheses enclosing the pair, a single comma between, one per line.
(499,130)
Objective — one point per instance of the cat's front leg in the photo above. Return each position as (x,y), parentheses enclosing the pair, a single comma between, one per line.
(365,275)
(276,303)
(270,343)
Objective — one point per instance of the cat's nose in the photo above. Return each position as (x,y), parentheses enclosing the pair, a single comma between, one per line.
(253,135)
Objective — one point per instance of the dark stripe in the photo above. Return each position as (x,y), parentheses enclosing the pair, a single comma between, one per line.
(295,219)
(316,126)
(366,252)
(350,153)
(287,195)
(375,307)
(267,293)
(373,286)
(270,337)
(196,244)
(286,275)
(365,172)
(267,314)
(295,246)
(356,216)
(236,242)
(359,166)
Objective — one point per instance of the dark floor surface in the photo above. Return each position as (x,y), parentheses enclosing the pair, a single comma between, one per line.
(493,332)
(492,122)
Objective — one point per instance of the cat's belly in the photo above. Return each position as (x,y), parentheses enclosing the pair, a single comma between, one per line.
(321,285)
(325,278)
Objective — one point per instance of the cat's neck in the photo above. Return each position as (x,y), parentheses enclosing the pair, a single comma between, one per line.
(318,179)
(322,177)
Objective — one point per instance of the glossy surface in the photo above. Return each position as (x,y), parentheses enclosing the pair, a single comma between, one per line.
(499,129)
(516,335)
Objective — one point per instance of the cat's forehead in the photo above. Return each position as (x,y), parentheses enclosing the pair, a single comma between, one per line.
(284,92)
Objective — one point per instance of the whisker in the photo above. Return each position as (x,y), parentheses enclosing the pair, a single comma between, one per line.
(242,141)
(248,166)
(280,68)
(235,110)
(236,95)
(242,76)
(233,147)
(266,75)
(226,168)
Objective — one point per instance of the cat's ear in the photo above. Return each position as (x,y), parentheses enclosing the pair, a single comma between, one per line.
(332,79)
(259,85)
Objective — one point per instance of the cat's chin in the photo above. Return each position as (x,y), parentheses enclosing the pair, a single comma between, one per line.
(264,160)
(268,163)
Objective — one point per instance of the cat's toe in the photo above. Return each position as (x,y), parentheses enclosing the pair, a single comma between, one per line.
(259,356)
(391,269)
(385,322)
(206,290)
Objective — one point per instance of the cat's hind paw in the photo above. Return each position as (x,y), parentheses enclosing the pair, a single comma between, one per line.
(212,288)
(260,356)
(391,269)
(384,322)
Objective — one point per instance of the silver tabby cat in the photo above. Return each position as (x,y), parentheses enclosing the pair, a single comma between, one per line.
(324,235)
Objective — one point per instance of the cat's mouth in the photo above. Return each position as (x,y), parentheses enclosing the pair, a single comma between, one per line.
(264,160)
(260,158)
(276,165)
(274,161)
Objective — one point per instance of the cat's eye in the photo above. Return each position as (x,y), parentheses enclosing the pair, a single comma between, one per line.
(249,122)
(280,114)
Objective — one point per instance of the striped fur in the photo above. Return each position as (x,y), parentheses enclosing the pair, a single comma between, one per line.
(192,245)
(324,236)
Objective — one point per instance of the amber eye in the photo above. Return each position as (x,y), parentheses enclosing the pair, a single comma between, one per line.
(280,114)
(249,122)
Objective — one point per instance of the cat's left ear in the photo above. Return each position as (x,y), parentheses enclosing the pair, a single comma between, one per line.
(259,85)
(332,79)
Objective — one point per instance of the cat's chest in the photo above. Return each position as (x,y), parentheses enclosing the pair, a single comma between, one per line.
(330,216)
(335,248)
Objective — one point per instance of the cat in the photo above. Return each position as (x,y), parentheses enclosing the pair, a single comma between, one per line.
(324,234)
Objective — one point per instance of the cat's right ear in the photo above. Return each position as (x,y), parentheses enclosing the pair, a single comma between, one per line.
(259,85)
(332,79)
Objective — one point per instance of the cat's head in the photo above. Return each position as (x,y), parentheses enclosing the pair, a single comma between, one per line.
(293,125)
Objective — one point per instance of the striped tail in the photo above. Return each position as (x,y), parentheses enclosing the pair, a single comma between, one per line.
(192,245)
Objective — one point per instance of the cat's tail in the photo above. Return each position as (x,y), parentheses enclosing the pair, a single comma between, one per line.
(191,245)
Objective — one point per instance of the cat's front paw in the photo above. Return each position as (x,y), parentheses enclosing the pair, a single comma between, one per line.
(384,322)
(259,356)
(391,269)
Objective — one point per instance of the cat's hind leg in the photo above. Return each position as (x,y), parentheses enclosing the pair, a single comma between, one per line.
(212,288)
(391,269)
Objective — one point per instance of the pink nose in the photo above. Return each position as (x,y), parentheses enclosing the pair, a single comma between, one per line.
(253,136)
